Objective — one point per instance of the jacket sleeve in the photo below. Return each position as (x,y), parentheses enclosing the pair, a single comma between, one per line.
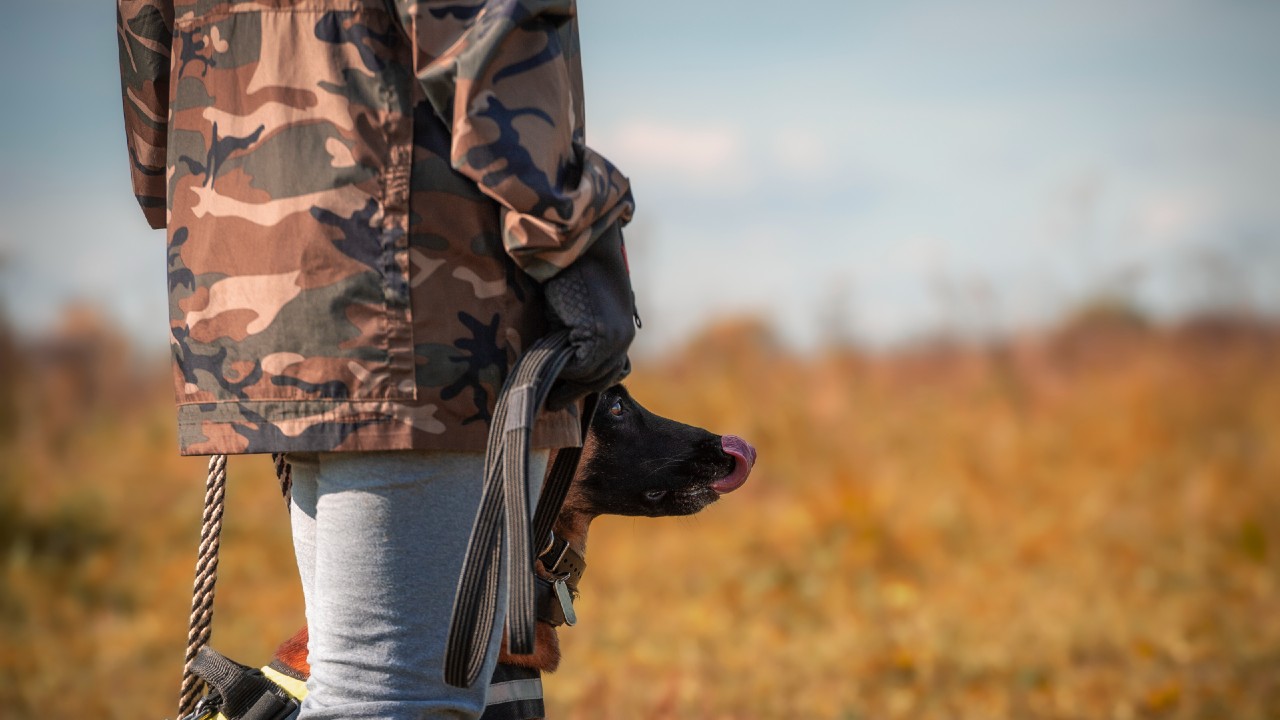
(144,29)
(504,76)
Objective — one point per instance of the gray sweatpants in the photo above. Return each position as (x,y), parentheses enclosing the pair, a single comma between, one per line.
(380,539)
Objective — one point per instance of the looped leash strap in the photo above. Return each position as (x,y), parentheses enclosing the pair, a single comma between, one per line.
(504,517)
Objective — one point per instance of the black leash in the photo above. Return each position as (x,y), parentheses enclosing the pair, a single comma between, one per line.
(504,514)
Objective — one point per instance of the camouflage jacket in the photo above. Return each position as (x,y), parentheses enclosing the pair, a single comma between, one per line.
(361,198)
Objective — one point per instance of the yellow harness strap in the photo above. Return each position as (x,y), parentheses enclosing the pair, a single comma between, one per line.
(296,688)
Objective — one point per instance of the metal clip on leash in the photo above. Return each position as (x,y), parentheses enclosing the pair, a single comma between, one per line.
(206,707)
(505,513)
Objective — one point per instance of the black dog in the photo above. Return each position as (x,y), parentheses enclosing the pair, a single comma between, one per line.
(638,463)
(633,463)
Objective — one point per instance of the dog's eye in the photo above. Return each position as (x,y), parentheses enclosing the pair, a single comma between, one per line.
(654,495)
(616,408)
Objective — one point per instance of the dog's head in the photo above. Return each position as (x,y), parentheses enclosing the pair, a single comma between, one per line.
(637,463)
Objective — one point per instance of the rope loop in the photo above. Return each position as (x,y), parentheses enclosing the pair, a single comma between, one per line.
(215,496)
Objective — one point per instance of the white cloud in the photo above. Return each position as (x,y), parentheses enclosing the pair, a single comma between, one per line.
(801,153)
(706,158)
(1167,220)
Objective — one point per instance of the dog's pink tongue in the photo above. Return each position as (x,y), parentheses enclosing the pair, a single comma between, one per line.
(744,456)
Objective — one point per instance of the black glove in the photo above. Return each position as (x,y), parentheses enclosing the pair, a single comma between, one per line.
(593,299)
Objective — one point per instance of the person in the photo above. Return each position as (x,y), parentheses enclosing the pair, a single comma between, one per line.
(372,207)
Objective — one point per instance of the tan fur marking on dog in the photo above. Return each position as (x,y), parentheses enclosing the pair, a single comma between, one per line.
(293,652)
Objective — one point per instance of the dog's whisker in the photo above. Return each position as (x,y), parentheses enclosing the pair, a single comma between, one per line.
(667,460)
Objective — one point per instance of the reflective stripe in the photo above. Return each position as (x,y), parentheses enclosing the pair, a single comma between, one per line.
(295,687)
(514,690)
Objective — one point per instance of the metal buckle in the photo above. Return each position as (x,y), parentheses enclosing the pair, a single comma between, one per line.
(551,542)
(566,600)
(552,563)
(206,707)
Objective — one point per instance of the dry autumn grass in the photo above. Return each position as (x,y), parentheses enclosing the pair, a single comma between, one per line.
(1083,526)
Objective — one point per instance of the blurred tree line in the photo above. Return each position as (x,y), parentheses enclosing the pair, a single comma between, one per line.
(984,458)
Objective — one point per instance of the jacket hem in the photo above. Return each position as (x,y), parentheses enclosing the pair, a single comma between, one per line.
(271,426)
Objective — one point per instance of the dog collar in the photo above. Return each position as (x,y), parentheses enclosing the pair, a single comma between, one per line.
(555,596)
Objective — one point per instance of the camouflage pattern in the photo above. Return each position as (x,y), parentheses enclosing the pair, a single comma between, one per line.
(361,198)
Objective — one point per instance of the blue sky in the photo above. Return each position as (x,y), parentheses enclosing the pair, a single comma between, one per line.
(981,165)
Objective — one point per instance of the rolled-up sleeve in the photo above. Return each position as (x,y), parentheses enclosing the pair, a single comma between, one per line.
(504,75)
(145,30)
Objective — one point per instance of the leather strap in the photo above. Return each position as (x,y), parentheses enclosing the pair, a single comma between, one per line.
(566,565)
(561,560)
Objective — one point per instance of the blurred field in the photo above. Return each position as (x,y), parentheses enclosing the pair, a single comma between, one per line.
(1077,525)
